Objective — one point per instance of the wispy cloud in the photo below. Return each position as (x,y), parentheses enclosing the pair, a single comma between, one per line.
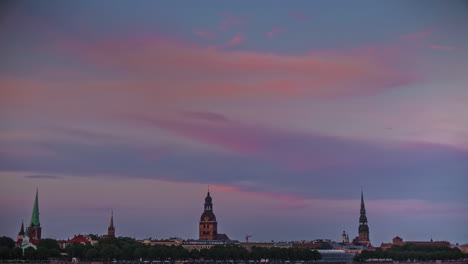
(238,39)
(417,35)
(296,151)
(229,21)
(444,47)
(275,32)
(319,74)
(205,34)
(298,15)
(51,177)
(207,116)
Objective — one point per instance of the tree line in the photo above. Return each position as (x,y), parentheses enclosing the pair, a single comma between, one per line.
(413,252)
(129,249)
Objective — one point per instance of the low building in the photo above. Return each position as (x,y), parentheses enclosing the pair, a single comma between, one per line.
(163,242)
(309,245)
(398,241)
(202,244)
(285,244)
(26,243)
(250,245)
(93,239)
(463,248)
(349,248)
(76,239)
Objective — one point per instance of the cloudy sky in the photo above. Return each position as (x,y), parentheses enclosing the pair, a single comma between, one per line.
(286,110)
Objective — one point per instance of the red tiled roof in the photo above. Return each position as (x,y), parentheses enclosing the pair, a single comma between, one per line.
(78,238)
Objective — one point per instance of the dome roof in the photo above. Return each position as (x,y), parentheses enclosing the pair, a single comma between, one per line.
(208,216)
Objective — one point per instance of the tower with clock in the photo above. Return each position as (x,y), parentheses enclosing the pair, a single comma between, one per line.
(208,228)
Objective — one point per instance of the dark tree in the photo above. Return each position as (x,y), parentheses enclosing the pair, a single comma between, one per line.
(6,253)
(30,253)
(49,243)
(7,242)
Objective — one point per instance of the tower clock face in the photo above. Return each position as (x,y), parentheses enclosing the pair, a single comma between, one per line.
(206,218)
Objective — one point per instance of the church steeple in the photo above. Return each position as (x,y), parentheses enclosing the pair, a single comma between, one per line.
(34,230)
(19,238)
(35,213)
(363,217)
(363,231)
(21,232)
(111,229)
(112,220)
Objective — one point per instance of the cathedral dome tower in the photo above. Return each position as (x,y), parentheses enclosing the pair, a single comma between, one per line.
(208,228)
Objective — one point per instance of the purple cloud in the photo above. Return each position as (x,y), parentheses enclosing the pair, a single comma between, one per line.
(207,116)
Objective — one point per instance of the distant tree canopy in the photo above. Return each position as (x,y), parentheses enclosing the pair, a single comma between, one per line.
(124,248)
(413,252)
(49,243)
(7,242)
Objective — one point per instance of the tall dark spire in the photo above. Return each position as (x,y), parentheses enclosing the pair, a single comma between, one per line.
(21,232)
(363,230)
(363,217)
(111,229)
(112,220)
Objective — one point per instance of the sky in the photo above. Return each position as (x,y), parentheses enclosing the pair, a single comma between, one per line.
(285,110)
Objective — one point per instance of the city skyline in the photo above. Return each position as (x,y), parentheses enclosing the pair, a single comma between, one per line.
(205,232)
(284,111)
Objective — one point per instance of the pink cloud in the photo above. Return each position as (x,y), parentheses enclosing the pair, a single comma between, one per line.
(270,195)
(298,15)
(417,35)
(275,32)
(444,47)
(323,74)
(238,39)
(189,72)
(24,150)
(207,116)
(205,34)
(269,144)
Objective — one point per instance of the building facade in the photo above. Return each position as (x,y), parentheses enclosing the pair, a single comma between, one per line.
(206,244)
(344,237)
(398,241)
(173,241)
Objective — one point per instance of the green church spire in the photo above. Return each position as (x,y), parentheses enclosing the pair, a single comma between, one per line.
(35,213)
